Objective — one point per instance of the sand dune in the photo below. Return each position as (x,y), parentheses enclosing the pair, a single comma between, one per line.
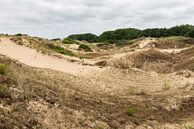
(33,58)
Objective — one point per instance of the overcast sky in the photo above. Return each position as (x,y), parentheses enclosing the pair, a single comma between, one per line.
(59,18)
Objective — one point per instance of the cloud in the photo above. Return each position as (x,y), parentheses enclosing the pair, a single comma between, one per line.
(54,18)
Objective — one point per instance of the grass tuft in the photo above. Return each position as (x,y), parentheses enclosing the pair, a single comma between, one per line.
(130,111)
(4,91)
(99,128)
(3,69)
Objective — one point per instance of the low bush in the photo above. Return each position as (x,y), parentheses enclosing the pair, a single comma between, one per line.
(85,48)
(130,111)
(56,39)
(84,37)
(69,41)
(61,50)
(4,91)
(19,34)
(66,52)
(3,69)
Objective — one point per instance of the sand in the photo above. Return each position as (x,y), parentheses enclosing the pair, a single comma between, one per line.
(33,58)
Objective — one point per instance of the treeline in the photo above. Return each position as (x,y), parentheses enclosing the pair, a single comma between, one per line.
(84,37)
(131,33)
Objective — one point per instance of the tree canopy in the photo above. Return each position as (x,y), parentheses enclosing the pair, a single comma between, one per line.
(119,35)
(84,37)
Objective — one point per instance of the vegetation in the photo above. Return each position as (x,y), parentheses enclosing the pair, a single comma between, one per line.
(99,128)
(19,34)
(121,36)
(167,85)
(85,48)
(130,111)
(4,91)
(66,52)
(191,33)
(2,69)
(56,39)
(61,50)
(84,37)
(108,36)
(69,41)
(155,32)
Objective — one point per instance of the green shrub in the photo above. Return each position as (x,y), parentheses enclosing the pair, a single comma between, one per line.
(2,69)
(189,127)
(56,39)
(85,48)
(19,34)
(121,36)
(84,37)
(61,50)
(130,111)
(65,52)
(4,91)
(69,41)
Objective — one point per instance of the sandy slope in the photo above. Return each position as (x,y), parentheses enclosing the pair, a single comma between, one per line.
(33,58)
(145,42)
(161,101)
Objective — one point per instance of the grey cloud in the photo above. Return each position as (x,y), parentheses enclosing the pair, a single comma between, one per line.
(54,18)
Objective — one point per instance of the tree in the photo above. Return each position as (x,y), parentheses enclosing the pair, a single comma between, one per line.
(181,30)
(84,37)
(108,36)
(155,32)
(190,34)
(127,34)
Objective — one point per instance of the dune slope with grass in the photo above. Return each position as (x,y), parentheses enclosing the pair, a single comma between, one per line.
(121,87)
(31,57)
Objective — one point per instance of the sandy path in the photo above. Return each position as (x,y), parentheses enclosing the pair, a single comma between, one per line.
(33,58)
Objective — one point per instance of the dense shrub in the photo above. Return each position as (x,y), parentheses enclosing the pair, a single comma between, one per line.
(19,34)
(190,33)
(85,48)
(107,36)
(120,36)
(84,37)
(155,32)
(127,34)
(2,69)
(181,30)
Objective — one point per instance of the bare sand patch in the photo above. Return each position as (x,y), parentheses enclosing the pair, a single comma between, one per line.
(33,58)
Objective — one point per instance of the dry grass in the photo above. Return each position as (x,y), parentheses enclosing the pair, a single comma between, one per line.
(137,91)
(173,42)
(167,85)
(150,60)
(117,97)
(186,60)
